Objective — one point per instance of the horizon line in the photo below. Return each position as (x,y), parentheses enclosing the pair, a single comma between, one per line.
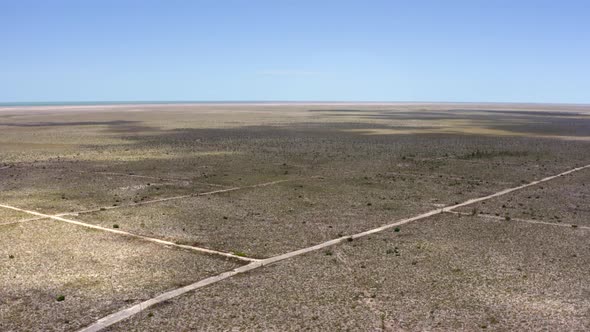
(252,102)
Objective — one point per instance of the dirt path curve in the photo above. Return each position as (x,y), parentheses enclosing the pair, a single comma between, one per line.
(128,312)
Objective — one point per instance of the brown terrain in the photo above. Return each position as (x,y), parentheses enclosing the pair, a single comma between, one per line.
(289,217)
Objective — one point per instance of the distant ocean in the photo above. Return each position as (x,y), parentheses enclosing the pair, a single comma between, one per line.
(164,102)
(92,103)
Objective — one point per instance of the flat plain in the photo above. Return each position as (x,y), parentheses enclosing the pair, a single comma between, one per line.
(268,217)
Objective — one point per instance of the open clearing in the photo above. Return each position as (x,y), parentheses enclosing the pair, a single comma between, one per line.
(254,182)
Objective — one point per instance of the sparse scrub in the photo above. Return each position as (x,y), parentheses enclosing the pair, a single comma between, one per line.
(365,183)
(394,251)
(481,154)
(240,253)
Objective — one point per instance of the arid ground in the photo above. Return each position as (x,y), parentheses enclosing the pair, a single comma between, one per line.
(269,217)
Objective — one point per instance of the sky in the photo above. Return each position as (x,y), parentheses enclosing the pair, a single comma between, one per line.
(281,50)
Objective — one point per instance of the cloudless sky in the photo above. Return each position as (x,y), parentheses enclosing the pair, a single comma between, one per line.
(439,50)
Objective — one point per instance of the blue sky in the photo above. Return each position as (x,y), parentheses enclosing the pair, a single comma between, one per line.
(523,51)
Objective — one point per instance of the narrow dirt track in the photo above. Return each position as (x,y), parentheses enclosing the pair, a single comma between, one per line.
(153,178)
(128,312)
(166,199)
(60,217)
(21,221)
(530,221)
(145,238)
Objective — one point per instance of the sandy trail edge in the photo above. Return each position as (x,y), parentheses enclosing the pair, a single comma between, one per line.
(128,312)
